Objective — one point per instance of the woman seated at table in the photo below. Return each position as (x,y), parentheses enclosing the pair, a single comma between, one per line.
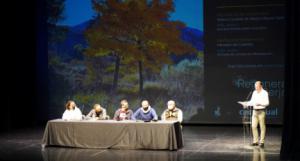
(123,113)
(172,113)
(72,112)
(98,113)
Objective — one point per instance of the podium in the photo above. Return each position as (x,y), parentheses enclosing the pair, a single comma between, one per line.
(246,120)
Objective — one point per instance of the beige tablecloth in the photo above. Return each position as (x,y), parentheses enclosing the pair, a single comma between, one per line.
(113,134)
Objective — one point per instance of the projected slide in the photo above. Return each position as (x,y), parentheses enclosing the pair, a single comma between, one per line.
(104,51)
(244,42)
(205,55)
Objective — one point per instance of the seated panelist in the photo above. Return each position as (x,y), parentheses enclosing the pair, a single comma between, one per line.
(145,113)
(72,112)
(98,113)
(172,113)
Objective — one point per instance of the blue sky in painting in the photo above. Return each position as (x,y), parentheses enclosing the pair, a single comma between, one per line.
(188,11)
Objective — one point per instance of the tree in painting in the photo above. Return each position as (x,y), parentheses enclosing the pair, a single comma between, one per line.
(135,32)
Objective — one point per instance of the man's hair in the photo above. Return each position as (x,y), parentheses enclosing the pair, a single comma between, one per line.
(260,83)
(171,101)
(96,105)
(145,101)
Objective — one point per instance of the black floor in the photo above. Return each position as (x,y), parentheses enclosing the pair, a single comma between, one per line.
(202,143)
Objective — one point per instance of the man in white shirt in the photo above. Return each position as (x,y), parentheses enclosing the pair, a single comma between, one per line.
(259,101)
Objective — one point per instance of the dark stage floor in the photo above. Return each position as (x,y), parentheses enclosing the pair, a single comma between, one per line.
(204,143)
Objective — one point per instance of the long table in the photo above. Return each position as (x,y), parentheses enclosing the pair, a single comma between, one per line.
(113,134)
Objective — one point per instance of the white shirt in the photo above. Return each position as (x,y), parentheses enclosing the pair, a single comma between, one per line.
(72,114)
(261,98)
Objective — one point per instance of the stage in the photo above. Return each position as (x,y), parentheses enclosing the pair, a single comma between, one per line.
(200,143)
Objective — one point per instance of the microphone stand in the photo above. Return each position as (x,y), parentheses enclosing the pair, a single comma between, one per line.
(247,121)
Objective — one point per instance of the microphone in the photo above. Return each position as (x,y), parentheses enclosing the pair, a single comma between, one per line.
(82,108)
(247,98)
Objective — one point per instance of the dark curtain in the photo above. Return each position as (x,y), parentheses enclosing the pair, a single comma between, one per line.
(18,66)
(41,63)
(290,146)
